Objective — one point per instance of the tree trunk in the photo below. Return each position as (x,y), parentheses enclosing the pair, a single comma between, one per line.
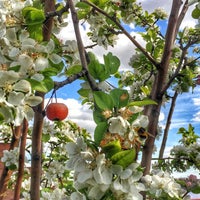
(36,155)
(36,158)
(157,92)
(168,123)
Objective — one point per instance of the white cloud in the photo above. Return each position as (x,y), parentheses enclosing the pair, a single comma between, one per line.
(150,5)
(196,101)
(161,117)
(196,117)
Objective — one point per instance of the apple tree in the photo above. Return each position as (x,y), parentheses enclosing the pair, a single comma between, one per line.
(67,162)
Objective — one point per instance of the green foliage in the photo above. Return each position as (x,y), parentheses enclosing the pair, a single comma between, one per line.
(144,102)
(154,41)
(100,131)
(111,148)
(124,158)
(45,85)
(100,71)
(188,136)
(117,99)
(84,9)
(183,156)
(34,19)
(1,117)
(75,69)
(120,98)
(196,12)
(196,189)
(103,100)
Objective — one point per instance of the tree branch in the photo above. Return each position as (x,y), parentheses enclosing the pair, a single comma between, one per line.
(55,13)
(182,15)
(6,173)
(166,131)
(81,49)
(178,69)
(69,80)
(21,160)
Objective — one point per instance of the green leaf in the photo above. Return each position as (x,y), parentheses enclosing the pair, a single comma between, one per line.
(12,167)
(82,5)
(58,66)
(103,101)
(112,63)
(44,86)
(75,69)
(196,13)
(84,92)
(35,32)
(45,137)
(142,103)
(124,158)
(196,189)
(96,69)
(111,148)
(48,83)
(100,131)
(50,71)
(149,47)
(120,97)
(34,19)
(1,117)
(97,116)
(15,68)
(33,15)
(53,69)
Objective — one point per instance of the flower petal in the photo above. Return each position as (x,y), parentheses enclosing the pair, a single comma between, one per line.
(33,100)
(22,86)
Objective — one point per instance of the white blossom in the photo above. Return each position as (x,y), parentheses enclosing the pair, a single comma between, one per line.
(161,182)
(118,125)
(10,157)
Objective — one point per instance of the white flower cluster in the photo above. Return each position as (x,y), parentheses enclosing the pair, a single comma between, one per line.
(55,170)
(187,156)
(160,13)
(97,176)
(15,95)
(70,47)
(161,183)
(128,131)
(58,194)
(21,58)
(100,32)
(10,157)
(10,13)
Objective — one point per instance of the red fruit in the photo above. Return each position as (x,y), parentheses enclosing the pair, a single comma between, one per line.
(56,111)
